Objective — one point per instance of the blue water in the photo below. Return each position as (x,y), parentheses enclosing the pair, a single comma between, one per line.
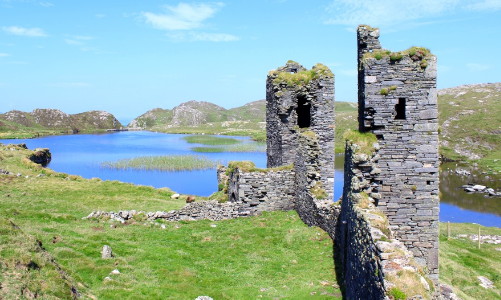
(83,154)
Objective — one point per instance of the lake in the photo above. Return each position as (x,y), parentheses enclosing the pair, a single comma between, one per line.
(83,154)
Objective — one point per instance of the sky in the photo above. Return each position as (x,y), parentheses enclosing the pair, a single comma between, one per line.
(127,57)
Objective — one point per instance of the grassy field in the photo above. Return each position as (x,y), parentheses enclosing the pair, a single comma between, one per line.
(461,262)
(273,255)
(164,163)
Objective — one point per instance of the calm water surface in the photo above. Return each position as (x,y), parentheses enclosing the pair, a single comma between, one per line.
(83,154)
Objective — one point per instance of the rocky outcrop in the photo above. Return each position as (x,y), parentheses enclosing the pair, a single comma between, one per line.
(54,119)
(41,156)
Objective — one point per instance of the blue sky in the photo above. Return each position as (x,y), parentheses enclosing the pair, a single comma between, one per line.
(127,57)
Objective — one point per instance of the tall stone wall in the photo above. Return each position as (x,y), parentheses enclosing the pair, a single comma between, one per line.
(398,103)
(300,99)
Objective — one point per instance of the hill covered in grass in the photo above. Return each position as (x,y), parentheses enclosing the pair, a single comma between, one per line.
(470,124)
(19,124)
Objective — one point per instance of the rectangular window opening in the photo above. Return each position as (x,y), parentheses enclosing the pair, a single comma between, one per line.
(400,109)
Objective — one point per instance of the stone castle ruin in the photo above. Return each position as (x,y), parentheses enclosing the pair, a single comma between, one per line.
(388,218)
(386,225)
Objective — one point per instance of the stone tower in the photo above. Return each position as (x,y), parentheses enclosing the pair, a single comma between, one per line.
(301,100)
(398,103)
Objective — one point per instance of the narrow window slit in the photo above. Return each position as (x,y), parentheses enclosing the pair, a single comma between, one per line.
(400,109)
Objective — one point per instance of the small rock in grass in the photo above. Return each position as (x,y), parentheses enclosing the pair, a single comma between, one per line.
(485,282)
(115,272)
(162,226)
(203,298)
(213,225)
(107,252)
(175,196)
(107,278)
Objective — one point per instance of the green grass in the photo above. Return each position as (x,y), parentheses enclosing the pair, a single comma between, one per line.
(271,256)
(365,140)
(461,261)
(302,77)
(210,140)
(164,163)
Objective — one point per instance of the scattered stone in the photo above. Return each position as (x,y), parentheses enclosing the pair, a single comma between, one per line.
(190,199)
(485,282)
(162,226)
(108,278)
(115,272)
(107,252)
(447,293)
(203,298)
(477,188)
(462,172)
(175,196)
(213,225)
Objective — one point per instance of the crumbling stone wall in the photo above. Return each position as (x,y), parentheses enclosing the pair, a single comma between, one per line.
(300,99)
(262,190)
(312,203)
(398,103)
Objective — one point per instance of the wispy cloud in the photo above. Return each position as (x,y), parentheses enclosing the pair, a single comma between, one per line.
(184,16)
(478,67)
(46,4)
(184,20)
(486,5)
(70,84)
(383,13)
(4,54)
(202,36)
(23,31)
(78,40)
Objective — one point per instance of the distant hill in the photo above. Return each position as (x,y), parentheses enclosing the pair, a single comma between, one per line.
(17,123)
(470,123)
(250,119)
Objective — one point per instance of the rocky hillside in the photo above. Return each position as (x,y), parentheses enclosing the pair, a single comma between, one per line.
(470,123)
(47,120)
(196,113)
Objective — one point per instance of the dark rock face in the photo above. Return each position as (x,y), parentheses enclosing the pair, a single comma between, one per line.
(398,103)
(41,156)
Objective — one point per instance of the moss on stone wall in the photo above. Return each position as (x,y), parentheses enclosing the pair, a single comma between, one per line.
(301,78)
(249,166)
(415,53)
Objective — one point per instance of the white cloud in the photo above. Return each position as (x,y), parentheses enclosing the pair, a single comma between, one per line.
(184,16)
(22,31)
(4,54)
(488,5)
(202,36)
(385,12)
(478,67)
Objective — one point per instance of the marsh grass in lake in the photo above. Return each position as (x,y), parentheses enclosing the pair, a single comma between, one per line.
(210,140)
(163,163)
(244,147)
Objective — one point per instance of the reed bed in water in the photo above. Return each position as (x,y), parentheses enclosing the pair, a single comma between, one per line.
(163,163)
(210,140)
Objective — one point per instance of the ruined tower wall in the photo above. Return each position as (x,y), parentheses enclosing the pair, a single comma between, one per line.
(398,103)
(299,99)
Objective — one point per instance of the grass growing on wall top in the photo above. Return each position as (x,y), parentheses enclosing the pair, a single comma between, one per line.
(302,78)
(364,140)
(164,163)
